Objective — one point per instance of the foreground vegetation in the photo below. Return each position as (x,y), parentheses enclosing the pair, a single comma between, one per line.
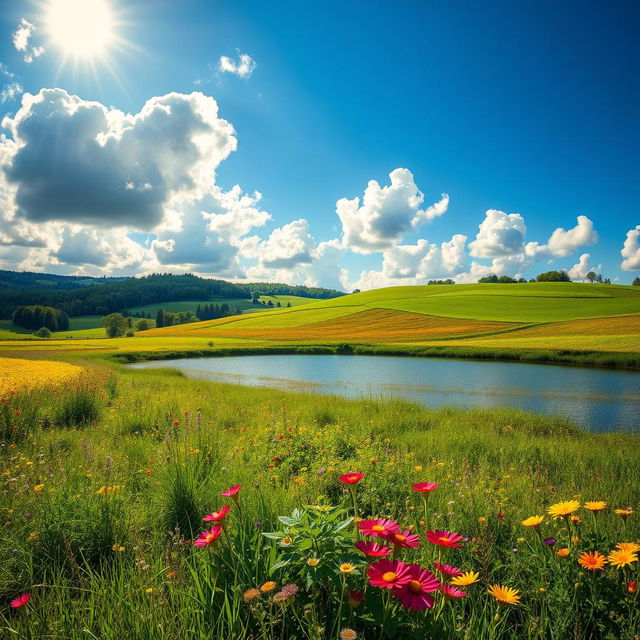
(105,481)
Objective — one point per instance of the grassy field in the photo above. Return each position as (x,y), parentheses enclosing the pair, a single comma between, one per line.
(105,480)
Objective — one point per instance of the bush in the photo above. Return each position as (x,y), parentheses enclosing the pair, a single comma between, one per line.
(43,332)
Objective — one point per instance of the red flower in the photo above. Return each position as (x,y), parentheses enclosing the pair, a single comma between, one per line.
(355,599)
(414,593)
(372,549)
(231,491)
(447,569)
(425,487)
(380,527)
(404,539)
(452,592)
(632,586)
(351,478)
(207,537)
(176,423)
(20,601)
(388,574)
(444,538)
(216,516)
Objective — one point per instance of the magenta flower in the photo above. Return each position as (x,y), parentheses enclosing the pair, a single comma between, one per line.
(452,592)
(424,487)
(381,527)
(20,601)
(351,478)
(208,537)
(447,569)
(388,574)
(216,516)
(444,538)
(372,549)
(414,592)
(404,539)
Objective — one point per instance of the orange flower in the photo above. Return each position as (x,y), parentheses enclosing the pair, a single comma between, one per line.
(592,560)
(562,553)
(622,558)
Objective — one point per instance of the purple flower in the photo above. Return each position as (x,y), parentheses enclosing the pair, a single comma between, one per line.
(549,541)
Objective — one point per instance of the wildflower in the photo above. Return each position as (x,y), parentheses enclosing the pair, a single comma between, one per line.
(232,492)
(268,586)
(632,586)
(372,549)
(288,591)
(563,509)
(549,541)
(207,537)
(575,519)
(346,568)
(348,634)
(149,590)
(533,521)
(251,594)
(389,574)
(424,487)
(444,538)
(622,558)
(447,569)
(592,560)
(414,593)
(171,575)
(38,488)
(351,478)
(562,553)
(452,592)
(404,539)
(466,579)
(287,540)
(482,519)
(20,601)
(117,547)
(623,513)
(216,516)
(313,562)
(356,598)
(628,546)
(595,506)
(504,595)
(380,527)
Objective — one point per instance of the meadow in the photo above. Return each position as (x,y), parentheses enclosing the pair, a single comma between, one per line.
(142,504)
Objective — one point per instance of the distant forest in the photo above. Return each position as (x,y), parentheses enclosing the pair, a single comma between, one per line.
(114,295)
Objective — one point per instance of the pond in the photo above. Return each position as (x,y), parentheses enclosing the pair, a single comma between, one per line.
(597,399)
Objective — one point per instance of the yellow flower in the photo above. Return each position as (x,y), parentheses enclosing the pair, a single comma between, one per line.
(312,562)
(504,595)
(592,560)
(418,467)
(623,513)
(621,558)
(117,547)
(287,540)
(346,568)
(561,509)
(599,505)
(38,488)
(466,579)
(533,521)
(149,590)
(482,519)
(628,546)
(268,586)
(348,634)
(575,519)
(562,553)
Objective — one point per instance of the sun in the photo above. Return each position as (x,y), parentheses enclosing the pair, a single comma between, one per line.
(81,28)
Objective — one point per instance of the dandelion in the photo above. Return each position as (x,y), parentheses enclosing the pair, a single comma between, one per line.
(381,527)
(504,595)
(414,594)
(208,537)
(38,488)
(563,509)
(404,539)
(250,595)
(356,598)
(447,569)
(452,592)
(622,558)
(466,579)
(348,634)
(389,574)
(563,553)
(592,560)
(444,538)
(596,506)
(216,516)
(532,521)
(268,587)
(351,478)
(346,568)
(623,513)
(20,601)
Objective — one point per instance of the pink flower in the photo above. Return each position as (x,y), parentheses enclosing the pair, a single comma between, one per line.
(447,569)
(388,574)
(216,516)
(404,539)
(452,592)
(207,537)
(444,538)
(232,491)
(20,601)
(414,593)
(351,478)
(425,487)
(378,528)
(372,549)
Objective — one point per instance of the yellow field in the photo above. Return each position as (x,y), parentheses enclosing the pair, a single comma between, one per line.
(19,374)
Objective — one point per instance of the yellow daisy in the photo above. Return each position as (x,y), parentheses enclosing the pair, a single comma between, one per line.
(466,579)
(598,505)
(504,595)
(622,558)
(562,509)
(533,521)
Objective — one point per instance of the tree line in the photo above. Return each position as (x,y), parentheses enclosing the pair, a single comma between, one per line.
(547,276)
(38,316)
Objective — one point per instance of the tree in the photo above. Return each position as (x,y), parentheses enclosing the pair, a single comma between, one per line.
(553,276)
(270,303)
(42,332)
(591,276)
(115,325)
(636,282)
(599,278)
(143,325)
(491,278)
(160,318)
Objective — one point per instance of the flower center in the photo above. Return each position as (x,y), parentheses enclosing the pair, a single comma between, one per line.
(415,586)
(377,527)
(400,537)
(389,576)
(443,539)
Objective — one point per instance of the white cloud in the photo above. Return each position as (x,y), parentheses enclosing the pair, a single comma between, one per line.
(243,66)
(21,37)
(582,267)
(287,246)
(10,92)
(385,214)
(631,250)
(500,234)
(563,243)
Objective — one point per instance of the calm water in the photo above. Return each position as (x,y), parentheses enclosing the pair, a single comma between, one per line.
(598,399)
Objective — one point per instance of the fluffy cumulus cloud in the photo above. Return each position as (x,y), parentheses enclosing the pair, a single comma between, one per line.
(582,267)
(563,242)
(243,66)
(500,234)
(385,213)
(631,250)
(21,39)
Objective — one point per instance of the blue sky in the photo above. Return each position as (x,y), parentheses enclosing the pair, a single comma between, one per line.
(522,108)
